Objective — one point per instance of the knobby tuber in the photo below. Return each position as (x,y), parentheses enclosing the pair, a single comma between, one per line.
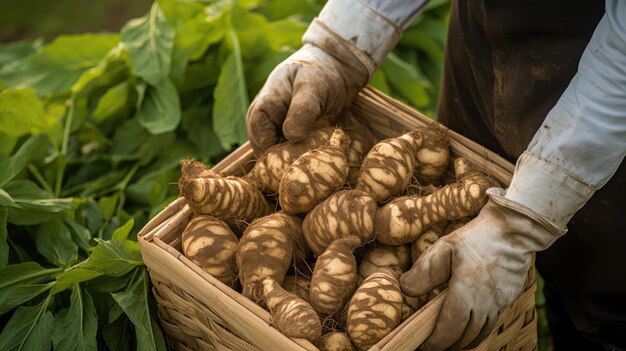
(265,250)
(298,285)
(426,240)
(375,309)
(385,256)
(335,276)
(291,315)
(388,168)
(230,199)
(346,212)
(274,162)
(362,142)
(209,243)
(334,341)
(315,175)
(433,156)
(403,219)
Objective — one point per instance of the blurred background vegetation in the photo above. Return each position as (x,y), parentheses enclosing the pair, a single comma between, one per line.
(116,130)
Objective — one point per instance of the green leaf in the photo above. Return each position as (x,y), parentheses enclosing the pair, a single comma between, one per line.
(136,304)
(251,34)
(17,50)
(23,281)
(33,205)
(197,124)
(286,32)
(57,66)
(112,69)
(4,234)
(30,329)
(149,41)
(54,242)
(80,235)
(158,107)
(231,102)
(6,199)
(12,166)
(406,80)
(21,113)
(113,258)
(122,232)
(118,334)
(75,328)
(116,102)
(196,34)
(379,81)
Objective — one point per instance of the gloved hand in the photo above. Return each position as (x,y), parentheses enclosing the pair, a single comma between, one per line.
(486,262)
(313,85)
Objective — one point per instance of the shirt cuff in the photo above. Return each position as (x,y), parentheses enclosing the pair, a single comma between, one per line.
(547,189)
(365,28)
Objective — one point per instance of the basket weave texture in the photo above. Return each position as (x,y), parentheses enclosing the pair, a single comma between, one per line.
(198,312)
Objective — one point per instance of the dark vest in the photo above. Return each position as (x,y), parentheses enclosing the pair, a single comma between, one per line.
(506,65)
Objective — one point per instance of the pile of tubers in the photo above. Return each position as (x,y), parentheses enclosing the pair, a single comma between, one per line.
(352,215)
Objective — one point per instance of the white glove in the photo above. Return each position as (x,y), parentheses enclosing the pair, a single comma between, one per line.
(313,85)
(486,262)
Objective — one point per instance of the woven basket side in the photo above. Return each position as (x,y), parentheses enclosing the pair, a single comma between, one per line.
(191,324)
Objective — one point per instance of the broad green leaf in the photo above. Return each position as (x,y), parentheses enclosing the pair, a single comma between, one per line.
(158,107)
(8,143)
(252,29)
(179,12)
(122,232)
(56,67)
(81,236)
(116,102)
(379,81)
(231,102)
(30,329)
(194,37)
(113,258)
(21,113)
(33,205)
(136,304)
(201,75)
(6,199)
(75,328)
(19,294)
(4,234)
(406,80)
(23,281)
(12,166)
(149,41)
(112,69)
(17,50)
(286,32)
(197,124)
(54,242)
(279,9)
(25,273)
(118,334)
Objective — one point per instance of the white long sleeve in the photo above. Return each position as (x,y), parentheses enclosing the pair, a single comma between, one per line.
(373,26)
(583,139)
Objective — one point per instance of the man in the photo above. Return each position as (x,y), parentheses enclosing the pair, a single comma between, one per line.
(553,72)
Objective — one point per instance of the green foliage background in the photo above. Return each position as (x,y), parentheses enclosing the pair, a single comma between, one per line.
(92,127)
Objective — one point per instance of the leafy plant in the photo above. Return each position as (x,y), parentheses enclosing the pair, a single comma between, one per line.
(92,128)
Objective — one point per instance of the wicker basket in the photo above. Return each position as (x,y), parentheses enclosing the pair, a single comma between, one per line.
(198,312)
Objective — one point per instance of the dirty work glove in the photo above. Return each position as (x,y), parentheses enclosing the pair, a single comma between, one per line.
(313,85)
(486,262)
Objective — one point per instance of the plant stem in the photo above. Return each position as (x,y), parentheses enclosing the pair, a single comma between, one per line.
(63,153)
(39,177)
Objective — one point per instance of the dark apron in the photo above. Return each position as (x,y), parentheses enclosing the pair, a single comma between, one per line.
(506,65)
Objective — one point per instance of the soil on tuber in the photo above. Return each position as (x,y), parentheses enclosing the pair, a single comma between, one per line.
(209,243)
(388,168)
(346,212)
(335,276)
(315,175)
(291,315)
(265,250)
